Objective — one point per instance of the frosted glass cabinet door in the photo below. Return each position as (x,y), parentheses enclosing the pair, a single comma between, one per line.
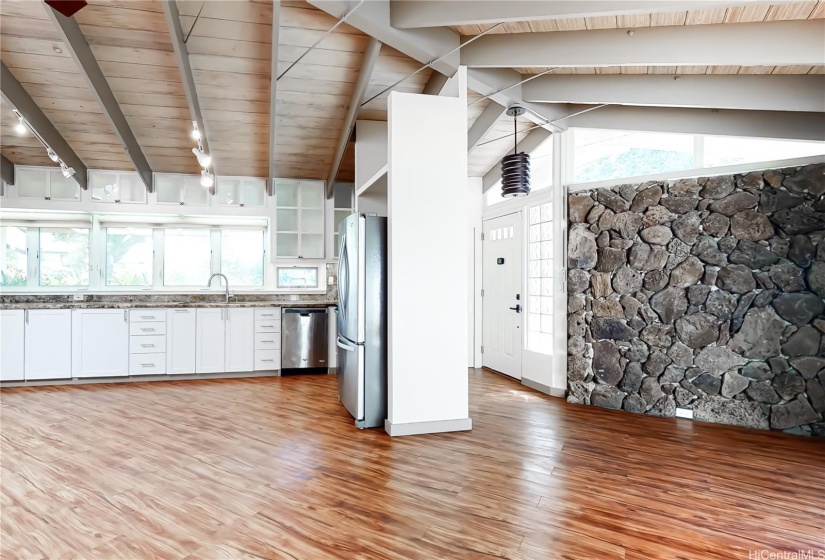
(62,188)
(32,183)
(103,186)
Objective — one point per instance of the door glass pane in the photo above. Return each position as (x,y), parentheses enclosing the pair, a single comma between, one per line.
(13,259)
(193,193)
(32,183)
(287,195)
(312,195)
(129,259)
(252,192)
(242,257)
(103,186)
(130,188)
(168,187)
(287,220)
(187,256)
(287,245)
(64,257)
(312,246)
(312,221)
(297,277)
(63,188)
(228,191)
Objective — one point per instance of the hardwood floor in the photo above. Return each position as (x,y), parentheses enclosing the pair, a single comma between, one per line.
(274,468)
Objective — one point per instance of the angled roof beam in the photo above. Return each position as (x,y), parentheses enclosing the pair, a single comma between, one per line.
(485,121)
(533,140)
(442,13)
(75,41)
(775,43)
(170,11)
(426,46)
(273,95)
(6,170)
(725,122)
(367,65)
(752,92)
(22,101)
(435,84)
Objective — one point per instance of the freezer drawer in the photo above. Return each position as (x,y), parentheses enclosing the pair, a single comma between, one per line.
(304,338)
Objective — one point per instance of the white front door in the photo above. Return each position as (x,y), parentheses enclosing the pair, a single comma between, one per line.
(503,300)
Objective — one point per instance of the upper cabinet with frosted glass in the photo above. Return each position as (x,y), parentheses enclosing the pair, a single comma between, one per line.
(116,186)
(241,191)
(299,219)
(45,184)
(172,188)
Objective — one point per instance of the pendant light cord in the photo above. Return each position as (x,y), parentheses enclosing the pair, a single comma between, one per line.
(545,123)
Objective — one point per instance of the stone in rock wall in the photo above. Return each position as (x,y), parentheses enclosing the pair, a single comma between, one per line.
(816,277)
(792,414)
(679,204)
(607,396)
(759,336)
(788,385)
(763,391)
(707,249)
(797,221)
(600,284)
(627,224)
(658,335)
(610,259)
(736,278)
(611,329)
(773,200)
(646,198)
(721,303)
(716,224)
(753,255)
(606,367)
(669,304)
(799,309)
(717,187)
(656,235)
(686,227)
(708,383)
(634,403)
(687,273)
(808,180)
(656,215)
(612,200)
(581,251)
(758,371)
(578,206)
(577,281)
(751,225)
(627,281)
(801,250)
(808,366)
(717,360)
(804,342)
(734,203)
(788,277)
(681,354)
(734,412)
(733,384)
(697,330)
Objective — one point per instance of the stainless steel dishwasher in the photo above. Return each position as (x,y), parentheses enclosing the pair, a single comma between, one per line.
(304,341)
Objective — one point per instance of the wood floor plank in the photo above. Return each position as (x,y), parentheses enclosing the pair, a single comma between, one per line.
(273,468)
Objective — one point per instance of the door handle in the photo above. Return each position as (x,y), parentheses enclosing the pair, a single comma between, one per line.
(517,308)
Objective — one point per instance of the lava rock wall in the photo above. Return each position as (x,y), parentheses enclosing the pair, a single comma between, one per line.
(703,293)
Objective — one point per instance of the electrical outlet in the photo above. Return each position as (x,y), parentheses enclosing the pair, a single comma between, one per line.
(78,297)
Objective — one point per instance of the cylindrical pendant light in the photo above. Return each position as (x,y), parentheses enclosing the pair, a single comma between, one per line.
(515,167)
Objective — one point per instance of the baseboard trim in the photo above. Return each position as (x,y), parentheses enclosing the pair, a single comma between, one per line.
(435,427)
(140,379)
(542,388)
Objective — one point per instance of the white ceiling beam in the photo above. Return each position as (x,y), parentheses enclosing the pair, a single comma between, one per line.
(273,96)
(20,99)
(170,11)
(533,140)
(776,43)
(71,35)
(751,92)
(435,84)
(361,84)
(406,14)
(724,122)
(483,124)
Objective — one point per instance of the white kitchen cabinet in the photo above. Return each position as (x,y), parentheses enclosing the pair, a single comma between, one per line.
(12,336)
(211,341)
(100,343)
(240,339)
(48,346)
(181,341)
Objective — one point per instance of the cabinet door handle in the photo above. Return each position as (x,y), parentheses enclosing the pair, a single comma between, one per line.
(148,345)
(181,310)
(125,315)
(268,326)
(268,360)
(268,341)
(148,317)
(148,330)
(27,316)
(147,365)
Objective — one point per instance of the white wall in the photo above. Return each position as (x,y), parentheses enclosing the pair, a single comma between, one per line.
(370,150)
(474,301)
(428,223)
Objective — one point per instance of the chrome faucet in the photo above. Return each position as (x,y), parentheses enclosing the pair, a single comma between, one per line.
(225,281)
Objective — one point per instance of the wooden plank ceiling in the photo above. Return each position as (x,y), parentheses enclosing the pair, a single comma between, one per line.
(229,44)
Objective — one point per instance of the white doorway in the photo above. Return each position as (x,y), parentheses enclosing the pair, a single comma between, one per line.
(503,301)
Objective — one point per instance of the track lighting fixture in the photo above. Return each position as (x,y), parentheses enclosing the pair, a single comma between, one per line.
(206,179)
(66,170)
(196,133)
(515,167)
(204,159)
(20,127)
(52,156)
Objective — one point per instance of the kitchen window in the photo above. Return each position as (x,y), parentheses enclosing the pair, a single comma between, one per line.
(187,257)
(129,256)
(297,277)
(64,257)
(13,256)
(242,257)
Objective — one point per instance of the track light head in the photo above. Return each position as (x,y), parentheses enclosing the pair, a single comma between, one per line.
(204,159)
(196,134)
(66,170)
(20,127)
(52,156)
(206,179)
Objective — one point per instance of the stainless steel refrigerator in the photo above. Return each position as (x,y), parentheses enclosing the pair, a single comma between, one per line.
(362,318)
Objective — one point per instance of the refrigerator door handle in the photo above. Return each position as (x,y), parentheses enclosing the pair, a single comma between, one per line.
(341,343)
(343,276)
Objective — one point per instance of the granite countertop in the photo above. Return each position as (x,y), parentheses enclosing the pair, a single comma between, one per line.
(162,305)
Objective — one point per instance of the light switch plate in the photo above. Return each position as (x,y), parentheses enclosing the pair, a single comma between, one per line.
(684,413)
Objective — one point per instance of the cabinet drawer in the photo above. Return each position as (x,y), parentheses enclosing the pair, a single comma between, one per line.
(267,341)
(147,315)
(147,364)
(147,344)
(267,359)
(268,314)
(268,325)
(147,329)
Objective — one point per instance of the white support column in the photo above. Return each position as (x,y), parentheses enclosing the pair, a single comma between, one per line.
(428,222)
